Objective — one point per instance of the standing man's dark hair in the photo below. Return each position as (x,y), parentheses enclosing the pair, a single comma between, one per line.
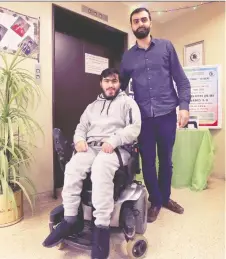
(138,10)
(153,65)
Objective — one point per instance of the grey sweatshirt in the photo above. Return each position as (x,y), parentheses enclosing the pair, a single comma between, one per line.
(117,122)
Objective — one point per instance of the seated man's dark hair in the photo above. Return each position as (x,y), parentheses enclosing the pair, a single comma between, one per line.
(109,72)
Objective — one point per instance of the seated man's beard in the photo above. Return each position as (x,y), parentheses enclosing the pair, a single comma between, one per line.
(141,32)
(110,97)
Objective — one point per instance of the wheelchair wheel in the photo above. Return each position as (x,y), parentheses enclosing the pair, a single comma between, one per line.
(140,208)
(137,247)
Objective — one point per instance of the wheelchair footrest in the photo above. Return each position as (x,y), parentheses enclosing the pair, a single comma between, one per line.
(81,240)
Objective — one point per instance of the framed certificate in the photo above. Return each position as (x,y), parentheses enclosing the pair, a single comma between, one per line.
(194,54)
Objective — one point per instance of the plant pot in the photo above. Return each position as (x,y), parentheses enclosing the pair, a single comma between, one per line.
(8,215)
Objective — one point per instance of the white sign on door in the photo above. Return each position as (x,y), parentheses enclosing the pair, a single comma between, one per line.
(95,64)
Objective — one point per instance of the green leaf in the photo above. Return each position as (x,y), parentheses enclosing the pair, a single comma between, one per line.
(11,132)
(4,60)
(19,94)
(25,193)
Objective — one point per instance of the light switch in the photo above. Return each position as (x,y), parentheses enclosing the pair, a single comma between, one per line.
(38,73)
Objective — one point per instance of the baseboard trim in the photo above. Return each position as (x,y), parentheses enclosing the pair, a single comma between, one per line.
(218,177)
(48,195)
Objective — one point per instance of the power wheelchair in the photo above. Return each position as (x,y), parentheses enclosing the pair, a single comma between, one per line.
(130,209)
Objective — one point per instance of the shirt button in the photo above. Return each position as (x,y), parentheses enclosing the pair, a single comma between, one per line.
(149,78)
(148,68)
(150,88)
(147,59)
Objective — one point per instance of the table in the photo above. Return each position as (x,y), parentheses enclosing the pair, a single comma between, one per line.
(192,158)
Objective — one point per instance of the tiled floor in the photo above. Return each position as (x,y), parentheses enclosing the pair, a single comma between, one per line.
(198,234)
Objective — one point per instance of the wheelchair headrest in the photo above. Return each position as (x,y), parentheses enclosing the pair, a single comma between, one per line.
(62,147)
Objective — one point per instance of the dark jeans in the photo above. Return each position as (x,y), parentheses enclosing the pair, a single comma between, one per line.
(161,131)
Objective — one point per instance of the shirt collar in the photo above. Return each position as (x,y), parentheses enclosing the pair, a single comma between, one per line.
(152,43)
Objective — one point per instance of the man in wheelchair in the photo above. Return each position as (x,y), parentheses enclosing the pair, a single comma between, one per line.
(108,124)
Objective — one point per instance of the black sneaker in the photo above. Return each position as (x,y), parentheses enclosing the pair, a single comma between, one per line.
(100,243)
(62,230)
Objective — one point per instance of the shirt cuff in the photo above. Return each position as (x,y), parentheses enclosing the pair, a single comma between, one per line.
(184,106)
(113,141)
(77,139)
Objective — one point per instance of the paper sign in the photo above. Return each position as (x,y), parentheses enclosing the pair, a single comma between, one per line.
(95,64)
(205,101)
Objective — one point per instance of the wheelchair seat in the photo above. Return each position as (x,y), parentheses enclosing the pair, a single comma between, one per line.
(124,176)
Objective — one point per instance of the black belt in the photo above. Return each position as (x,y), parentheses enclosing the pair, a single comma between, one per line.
(96,143)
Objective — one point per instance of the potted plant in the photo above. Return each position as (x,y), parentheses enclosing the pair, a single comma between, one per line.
(18,94)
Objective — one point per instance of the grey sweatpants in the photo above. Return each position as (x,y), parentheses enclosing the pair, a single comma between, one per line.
(103,167)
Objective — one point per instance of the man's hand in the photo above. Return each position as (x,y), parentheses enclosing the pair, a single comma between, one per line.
(81,146)
(183,118)
(107,148)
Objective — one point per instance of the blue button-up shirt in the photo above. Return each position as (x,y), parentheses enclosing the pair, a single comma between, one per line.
(152,72)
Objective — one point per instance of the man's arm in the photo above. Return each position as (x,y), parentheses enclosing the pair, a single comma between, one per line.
(180,78)
(82,127)
(130,133)
(124,74)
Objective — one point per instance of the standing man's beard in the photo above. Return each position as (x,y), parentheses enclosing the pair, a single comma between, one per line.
(141,32)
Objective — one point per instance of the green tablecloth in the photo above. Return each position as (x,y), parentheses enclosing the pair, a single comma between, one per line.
(193,157)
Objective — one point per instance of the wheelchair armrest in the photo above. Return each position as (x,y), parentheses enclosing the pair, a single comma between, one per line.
(132,148)
(135,149)
(135,144)
(136,158)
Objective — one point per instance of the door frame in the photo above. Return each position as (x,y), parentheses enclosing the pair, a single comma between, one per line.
(101,25)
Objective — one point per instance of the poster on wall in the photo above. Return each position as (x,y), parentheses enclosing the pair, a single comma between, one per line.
(205,95)
(95,64)
(18,30)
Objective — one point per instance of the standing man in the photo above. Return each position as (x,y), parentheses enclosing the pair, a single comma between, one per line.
(153,64)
